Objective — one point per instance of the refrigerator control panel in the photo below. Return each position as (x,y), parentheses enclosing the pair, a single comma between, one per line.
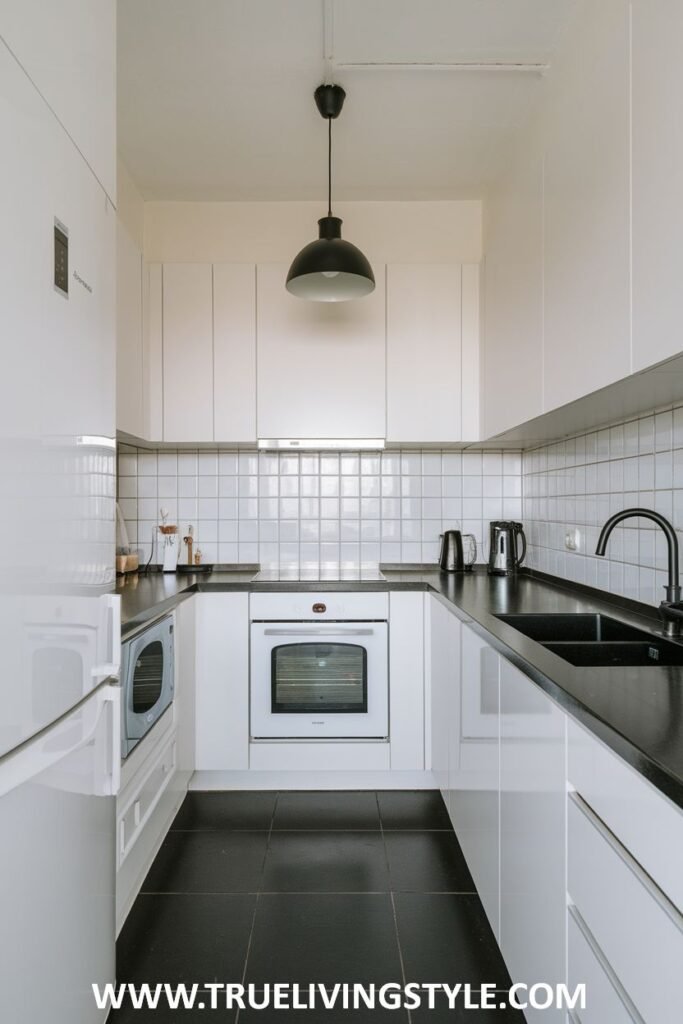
(61,280)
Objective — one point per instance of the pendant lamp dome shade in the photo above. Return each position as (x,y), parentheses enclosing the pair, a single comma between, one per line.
(330,269)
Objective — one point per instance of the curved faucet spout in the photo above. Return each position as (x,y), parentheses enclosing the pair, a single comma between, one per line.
(673,590)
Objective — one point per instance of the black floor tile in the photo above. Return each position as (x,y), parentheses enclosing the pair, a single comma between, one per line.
(321,810)
(324,938)
(427,862)
(464,1014)
(207,862)
(324,1016)
(326,862)
(220,810)
(413,809)
(448,938)
(191,939)
(130,1014)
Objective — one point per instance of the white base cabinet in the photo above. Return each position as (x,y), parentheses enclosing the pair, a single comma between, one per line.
(222,681)
(575,855)
(474,774)
(532,834)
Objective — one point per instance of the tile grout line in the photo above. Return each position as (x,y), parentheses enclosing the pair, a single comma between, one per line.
(391,897)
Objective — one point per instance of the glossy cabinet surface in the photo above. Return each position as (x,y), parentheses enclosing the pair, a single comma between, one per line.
(424,352)
(586,210)
(188,351)
(532,834)
(639,932)
(406,681)
(234,352)
(512,336)
(443,653)
(657,27)
(474,789)
(321,365)
(130,396)
(222,682)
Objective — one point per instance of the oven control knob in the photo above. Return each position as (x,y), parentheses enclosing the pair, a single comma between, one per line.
(319,608)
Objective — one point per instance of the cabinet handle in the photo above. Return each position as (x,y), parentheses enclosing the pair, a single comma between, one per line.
(319,608)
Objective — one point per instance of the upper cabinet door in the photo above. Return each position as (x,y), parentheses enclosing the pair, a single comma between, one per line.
(657,175)
(130,410)
(321,366)
(424,353)
(587,211)
(188,351)
(234,352)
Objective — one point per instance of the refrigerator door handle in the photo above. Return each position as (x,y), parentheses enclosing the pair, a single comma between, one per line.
(58,741)
(113,666)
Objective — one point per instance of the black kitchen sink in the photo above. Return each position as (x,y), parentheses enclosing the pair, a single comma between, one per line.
(596,640)
(595,628)
(626,653)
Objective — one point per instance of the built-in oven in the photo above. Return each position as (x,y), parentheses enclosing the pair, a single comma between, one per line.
(319,666)
(147,680)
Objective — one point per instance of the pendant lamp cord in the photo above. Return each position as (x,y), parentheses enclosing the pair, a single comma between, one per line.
(329,167)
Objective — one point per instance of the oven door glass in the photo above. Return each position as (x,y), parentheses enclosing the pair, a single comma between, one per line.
(319,677)
(148,677)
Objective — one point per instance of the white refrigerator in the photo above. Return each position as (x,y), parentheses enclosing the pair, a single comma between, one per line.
(59,620)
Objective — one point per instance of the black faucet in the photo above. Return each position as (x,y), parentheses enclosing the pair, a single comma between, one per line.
(671,609)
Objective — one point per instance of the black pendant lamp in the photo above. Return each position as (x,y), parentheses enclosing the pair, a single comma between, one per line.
(330,269)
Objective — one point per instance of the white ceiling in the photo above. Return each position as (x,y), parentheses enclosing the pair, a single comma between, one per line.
(216,96)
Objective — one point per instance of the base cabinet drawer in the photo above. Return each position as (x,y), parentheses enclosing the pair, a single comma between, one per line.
(140,804)
(648,824)
(587,967)
(637,928)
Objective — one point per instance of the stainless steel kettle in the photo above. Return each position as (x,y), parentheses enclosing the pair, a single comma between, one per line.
(504,556)
(452,554)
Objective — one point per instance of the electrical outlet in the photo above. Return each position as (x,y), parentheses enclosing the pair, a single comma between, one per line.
(573,541)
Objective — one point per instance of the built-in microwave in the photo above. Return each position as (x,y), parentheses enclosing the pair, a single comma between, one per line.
(147,680)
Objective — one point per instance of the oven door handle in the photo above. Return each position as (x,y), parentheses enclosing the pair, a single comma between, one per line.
(318,632)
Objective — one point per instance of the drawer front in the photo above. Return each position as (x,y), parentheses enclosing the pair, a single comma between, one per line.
(648,824)
(319,606)
(638,930)
(153,782)
(603,1001)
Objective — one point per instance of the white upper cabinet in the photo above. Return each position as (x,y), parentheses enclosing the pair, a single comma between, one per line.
(130,410)
(512,342)
(234,352)
(432,353)
(321,365)
(68,51)
(188,351)
(587,220)
(424,353)
(657,175)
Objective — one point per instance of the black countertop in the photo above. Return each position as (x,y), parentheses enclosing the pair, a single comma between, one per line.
(638,712)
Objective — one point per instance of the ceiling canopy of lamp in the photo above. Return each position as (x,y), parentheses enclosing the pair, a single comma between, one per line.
(330,269)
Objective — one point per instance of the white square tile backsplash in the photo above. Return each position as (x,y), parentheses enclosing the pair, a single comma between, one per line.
(317,508)
(578,483)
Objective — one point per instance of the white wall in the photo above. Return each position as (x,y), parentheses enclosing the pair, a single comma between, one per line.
(387,232)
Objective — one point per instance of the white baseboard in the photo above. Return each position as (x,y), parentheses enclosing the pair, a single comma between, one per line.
(312,780)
